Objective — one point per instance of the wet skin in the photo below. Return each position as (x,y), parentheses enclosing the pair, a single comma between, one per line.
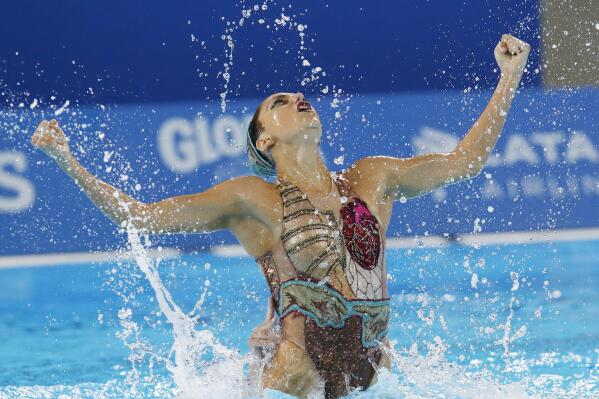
(251,208)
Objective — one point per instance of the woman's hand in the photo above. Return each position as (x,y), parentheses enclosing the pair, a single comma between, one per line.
(511,55)
(50,138)
(266,334)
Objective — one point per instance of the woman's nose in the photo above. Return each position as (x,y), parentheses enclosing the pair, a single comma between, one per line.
(298,97)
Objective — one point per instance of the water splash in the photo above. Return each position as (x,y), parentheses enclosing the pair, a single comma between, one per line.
(274,18)
(193,375)
(227,66)
(222,374)
(433,376)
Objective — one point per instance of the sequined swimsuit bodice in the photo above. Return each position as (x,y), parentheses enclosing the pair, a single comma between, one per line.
(319,248)
(332,274)
(311,237)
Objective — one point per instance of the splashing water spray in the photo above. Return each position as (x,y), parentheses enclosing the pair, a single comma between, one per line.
(256,14)
(193,376)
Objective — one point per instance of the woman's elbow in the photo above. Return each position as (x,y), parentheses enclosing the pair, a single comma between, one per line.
(474,169)
(467,172)
(470,167)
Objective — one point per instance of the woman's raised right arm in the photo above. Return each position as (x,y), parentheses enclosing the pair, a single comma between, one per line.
(210,210)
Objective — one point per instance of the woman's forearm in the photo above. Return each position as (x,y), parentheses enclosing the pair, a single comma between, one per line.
(117,205)
(476,146)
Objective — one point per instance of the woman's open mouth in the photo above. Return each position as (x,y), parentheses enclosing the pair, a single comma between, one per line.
(303,106)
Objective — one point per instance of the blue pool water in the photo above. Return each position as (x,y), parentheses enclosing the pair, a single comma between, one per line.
(494,321)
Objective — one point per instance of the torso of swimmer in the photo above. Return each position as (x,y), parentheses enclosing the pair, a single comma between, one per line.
(340,218)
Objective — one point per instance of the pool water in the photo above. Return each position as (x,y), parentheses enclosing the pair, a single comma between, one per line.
(495,321)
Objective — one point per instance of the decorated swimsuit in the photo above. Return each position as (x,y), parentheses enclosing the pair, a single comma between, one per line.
(334,278)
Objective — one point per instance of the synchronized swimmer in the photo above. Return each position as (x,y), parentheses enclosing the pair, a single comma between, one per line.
(318,236)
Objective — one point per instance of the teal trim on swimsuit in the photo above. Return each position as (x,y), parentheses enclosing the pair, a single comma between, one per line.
(348,303)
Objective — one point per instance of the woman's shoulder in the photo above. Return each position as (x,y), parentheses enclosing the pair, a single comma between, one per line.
(254,187)
(262,206)
(248,183)
(251,181)
(362,173)
(364,181)
(354,176)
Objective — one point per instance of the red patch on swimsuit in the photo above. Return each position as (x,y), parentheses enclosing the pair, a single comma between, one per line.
(361,233)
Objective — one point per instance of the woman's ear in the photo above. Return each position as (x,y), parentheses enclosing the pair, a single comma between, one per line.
(264,143)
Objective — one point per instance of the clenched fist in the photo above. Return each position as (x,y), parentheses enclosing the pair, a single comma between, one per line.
(511,55)
(50,138)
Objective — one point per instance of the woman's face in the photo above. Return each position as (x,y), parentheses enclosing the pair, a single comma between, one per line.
(289,118)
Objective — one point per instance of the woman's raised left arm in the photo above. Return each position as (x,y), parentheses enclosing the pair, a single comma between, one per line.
(411,177)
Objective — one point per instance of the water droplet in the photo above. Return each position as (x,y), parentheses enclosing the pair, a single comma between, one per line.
(339,160)
(124,313)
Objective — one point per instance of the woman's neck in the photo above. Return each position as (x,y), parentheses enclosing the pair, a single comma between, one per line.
(303,167)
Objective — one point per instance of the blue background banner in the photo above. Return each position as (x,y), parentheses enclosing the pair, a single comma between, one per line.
(542,175)
(116,51)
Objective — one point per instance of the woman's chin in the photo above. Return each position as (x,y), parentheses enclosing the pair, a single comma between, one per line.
(314,124)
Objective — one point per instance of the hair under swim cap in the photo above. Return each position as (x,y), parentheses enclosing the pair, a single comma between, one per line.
(258,163)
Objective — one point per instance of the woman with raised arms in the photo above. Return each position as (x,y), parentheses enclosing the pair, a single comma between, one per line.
(318,236)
